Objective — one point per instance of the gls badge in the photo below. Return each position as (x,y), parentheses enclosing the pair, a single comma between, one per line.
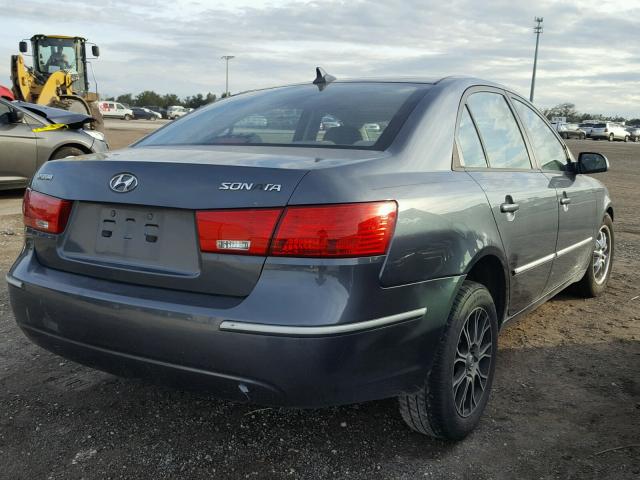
(266,187)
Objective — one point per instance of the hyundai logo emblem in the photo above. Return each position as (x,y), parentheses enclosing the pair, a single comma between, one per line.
(123,182)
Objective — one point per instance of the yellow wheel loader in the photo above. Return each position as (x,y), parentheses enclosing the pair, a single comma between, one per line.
(58,76)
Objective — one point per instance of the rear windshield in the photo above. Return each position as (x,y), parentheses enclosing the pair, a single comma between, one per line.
(600,125)
(341,115)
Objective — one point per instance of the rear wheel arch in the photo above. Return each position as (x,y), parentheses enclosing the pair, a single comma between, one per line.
(490,270)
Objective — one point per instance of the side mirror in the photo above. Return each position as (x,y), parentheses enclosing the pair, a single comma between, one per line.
(589,162)
(95,50)
(16,116)
(23,47)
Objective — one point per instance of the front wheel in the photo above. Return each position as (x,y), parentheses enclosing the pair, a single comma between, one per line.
(451,401)
(595,279)
(127,117)
(611,137)
(626,138)
(65,152)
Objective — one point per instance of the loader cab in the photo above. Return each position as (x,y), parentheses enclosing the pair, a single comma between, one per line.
(59,53)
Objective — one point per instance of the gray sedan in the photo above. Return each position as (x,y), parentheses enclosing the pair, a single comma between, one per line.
(32,134)
(279,263)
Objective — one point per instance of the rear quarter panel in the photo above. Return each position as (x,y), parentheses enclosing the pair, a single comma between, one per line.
(444,221)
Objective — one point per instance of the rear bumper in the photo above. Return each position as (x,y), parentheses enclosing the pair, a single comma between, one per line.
(126,330)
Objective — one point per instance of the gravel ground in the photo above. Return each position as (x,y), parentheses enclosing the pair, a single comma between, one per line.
(565,404)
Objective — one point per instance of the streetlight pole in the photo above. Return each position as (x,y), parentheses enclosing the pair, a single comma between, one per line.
(537,29)
(227,58)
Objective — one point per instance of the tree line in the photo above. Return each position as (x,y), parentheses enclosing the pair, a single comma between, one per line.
(569,111)
(151,98)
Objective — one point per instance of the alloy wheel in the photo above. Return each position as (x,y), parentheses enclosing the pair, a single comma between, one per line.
(602,255)
(472,364)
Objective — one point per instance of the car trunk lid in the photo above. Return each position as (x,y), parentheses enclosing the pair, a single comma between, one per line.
(148,235)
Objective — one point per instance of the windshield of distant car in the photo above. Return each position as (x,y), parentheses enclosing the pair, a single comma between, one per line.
(600,125)
(341,115)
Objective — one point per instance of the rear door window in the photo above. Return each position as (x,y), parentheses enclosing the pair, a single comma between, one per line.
(548,150)
(500,133)
(469,143)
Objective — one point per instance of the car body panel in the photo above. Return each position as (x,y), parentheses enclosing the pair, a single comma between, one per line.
(191,318)
(19,156)
(182,332)
(578,223)
(529,234)
(27,145)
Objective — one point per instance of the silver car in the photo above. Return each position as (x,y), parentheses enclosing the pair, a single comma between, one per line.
(31,135)
(634,133)
(609,131)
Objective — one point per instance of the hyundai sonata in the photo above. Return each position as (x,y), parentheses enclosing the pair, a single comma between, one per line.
(288,264)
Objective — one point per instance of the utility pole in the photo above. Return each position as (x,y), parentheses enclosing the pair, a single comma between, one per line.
(227,58)
(537,29)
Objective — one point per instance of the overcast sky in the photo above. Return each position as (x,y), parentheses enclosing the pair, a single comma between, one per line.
(589,51)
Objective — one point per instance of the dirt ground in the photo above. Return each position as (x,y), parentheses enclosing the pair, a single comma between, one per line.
(565,403)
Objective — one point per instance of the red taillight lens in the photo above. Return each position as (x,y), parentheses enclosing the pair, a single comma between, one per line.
(245,232)
(45,213)
(351,230)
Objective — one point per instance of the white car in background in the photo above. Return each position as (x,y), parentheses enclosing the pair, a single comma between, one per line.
(115,110)
(176,111)
(586,128)
(609,130)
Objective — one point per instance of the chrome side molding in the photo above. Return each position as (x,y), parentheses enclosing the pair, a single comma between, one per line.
(551,256)
(232,326)
(573,247)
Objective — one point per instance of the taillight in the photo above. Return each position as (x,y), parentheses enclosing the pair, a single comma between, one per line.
(243,231)
(347,230)
(45,213)
(322,231)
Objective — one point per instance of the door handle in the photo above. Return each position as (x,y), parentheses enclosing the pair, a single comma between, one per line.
(509,206)
(565,201)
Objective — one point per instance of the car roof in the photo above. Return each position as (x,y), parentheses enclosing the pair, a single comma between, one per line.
(446,82)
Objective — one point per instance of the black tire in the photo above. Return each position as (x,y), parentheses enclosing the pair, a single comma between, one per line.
(582,136)
(65,152)
(626,138)
(127,117)
(591,284)
(611,138)
(565,136)
(434,410)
